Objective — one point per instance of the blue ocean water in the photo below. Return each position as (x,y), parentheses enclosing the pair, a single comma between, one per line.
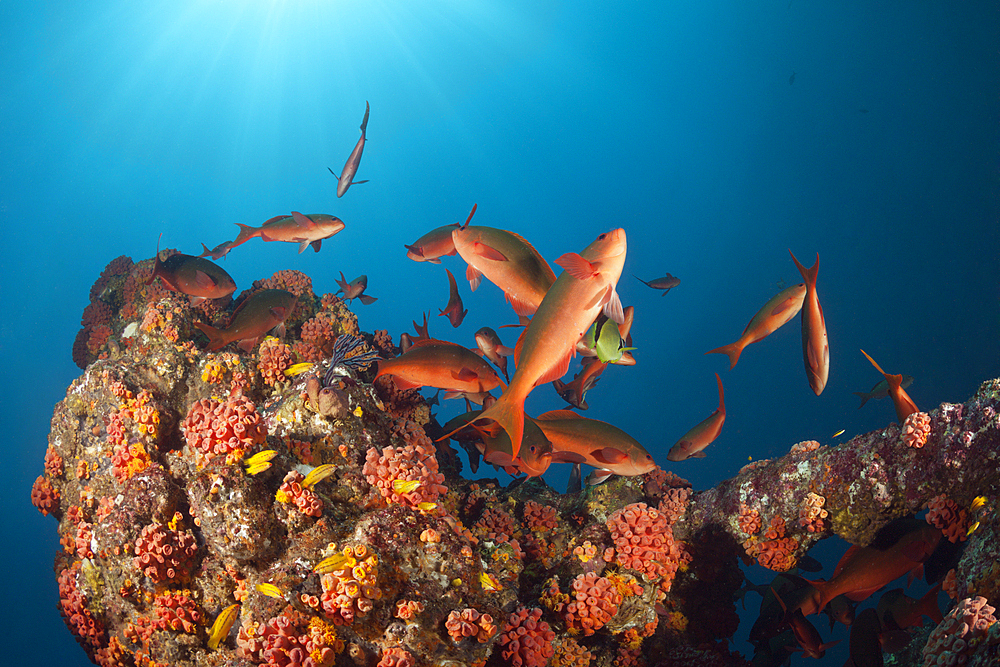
(718,134)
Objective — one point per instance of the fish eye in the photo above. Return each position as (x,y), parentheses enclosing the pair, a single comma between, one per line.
(532,449)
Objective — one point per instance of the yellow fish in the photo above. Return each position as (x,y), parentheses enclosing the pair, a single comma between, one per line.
(261,457)
(270,590)
(333,563)
(426,506)
(977,503)
(489,582)
(258,468)
(838,433)
(402,486)
(972,529)
(223,623)
(298,369)
(318,474)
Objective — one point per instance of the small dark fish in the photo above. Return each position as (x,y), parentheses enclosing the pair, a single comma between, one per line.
(881,390)
(666,283)
(346,176)
(575,483)
(453,311)
(865,648)
(791,79)
(218,252)
(355,289)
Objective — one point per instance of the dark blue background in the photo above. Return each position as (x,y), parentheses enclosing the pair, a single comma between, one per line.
(677,121)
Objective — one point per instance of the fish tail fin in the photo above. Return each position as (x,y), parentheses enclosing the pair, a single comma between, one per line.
(246,233)
(364,123)
(863,396)
(808,275)
(895,382)
(508,413)
(158,267)
(928,604)
(216,337)
(733,351)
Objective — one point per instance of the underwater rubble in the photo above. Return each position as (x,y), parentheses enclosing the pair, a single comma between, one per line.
(231,508)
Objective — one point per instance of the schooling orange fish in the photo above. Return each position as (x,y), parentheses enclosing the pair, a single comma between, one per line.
(198,278)
(577,439)
(864,570)
(781,308)
(453,311)
(489,344)
(261,312)
(533,459)
(900,399)
(435,244)
(438,363)
(702,435)
(815,348)
(355,289)
(306,230)
(805,632)
(218,252)
(543,353)
(508,261)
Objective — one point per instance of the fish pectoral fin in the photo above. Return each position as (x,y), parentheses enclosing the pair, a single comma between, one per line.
(522,308)
(465,375)
(474,276)
(577,266)
(303,221)
(504,351)
(609,455)
(488,252)
(334,173)
(415,249)
(248,344)
(203,280)
(359,182)
(567,457)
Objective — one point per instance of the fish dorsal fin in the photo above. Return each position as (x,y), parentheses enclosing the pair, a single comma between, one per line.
(522,308)
(303,221)
(577,266)
(518,346)
(849,555)
(488,252)
(275,219)
(609,455)
(474,276)
(558,414)
(204,280)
